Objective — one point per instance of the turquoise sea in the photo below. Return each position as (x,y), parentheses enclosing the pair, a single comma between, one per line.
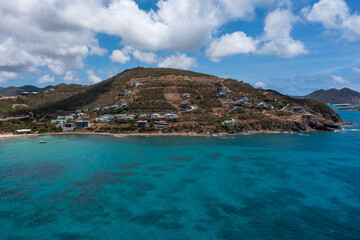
(280,186)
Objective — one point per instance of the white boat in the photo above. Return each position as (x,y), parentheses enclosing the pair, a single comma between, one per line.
(42,141)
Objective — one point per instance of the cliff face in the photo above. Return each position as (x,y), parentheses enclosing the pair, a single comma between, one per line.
(201,101)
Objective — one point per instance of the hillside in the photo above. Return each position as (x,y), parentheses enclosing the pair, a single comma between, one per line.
(208,101)
(15,91)
(335,96)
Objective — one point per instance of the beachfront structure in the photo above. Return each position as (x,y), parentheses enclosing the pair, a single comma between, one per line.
(170,116)
(142,124)
(23,131)
(135,84)
(120,116)
(68,127)
(231,122)
(82,124)
(187,95)
(161,124)
(297,109)
(155,115)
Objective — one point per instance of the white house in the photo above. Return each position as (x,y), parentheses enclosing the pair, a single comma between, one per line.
(155,115)
(170,115)
(231,122)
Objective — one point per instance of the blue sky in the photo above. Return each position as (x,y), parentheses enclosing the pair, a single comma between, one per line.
(294,47)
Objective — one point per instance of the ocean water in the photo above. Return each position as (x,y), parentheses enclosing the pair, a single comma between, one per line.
(281,186)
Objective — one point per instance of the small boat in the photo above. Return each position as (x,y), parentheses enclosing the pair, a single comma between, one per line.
(42,141)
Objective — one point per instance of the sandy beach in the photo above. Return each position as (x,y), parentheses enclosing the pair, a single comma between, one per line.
(12,136)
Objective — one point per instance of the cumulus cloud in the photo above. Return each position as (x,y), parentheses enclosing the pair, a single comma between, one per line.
(335,15)
(355,70)
(181,61)
(277,35)
(6,76)
(260,85)
(46,79)
(231,44)
(121,56)
(70,77)
(92,78)
(145,57)
(339,79)
(33,34)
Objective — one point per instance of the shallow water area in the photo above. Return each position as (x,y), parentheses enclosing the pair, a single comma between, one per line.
(275,186)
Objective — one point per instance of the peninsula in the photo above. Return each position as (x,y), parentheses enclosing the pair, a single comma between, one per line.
(163,101)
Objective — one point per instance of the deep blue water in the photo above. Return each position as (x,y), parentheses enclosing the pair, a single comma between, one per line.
(283,186)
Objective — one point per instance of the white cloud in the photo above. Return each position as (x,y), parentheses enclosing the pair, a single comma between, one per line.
(178,61)
(277,35)
(355,70)
(6,76)
(339,79)
(92,78)
(46,79)
(231,44)
(260,85)
(145,57)
(69,77)
(33,34)
(335,15)
(120,56)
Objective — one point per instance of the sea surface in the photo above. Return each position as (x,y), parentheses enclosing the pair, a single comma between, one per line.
(277,186)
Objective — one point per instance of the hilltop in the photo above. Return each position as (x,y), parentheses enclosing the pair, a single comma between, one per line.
(203,104)
(15,91)
(335,96)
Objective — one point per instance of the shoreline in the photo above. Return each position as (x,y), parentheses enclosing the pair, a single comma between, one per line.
(14,136)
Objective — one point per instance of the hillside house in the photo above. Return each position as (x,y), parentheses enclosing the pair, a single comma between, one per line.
(238,108)
(142,116)
(69,117)
(82,124)
(77,111)
(135,84)
(142,124)
(124,93)
(124,105)
(221,94)
(297,109)
(170,116)
(217,85)
(231,122)
(161,124)
(115,106)
(186,95)
(155,115)
(185,107)
(120,116)
(68,127)
(264,105)
(97,109)
(225,90)
(130,117)
(242,101)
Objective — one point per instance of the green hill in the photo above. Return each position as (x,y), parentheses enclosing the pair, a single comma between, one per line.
(335,96)
(211,100)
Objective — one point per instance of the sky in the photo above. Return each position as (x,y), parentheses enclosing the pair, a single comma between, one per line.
(292,46)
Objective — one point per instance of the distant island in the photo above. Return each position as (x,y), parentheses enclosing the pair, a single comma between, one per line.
(163,101)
